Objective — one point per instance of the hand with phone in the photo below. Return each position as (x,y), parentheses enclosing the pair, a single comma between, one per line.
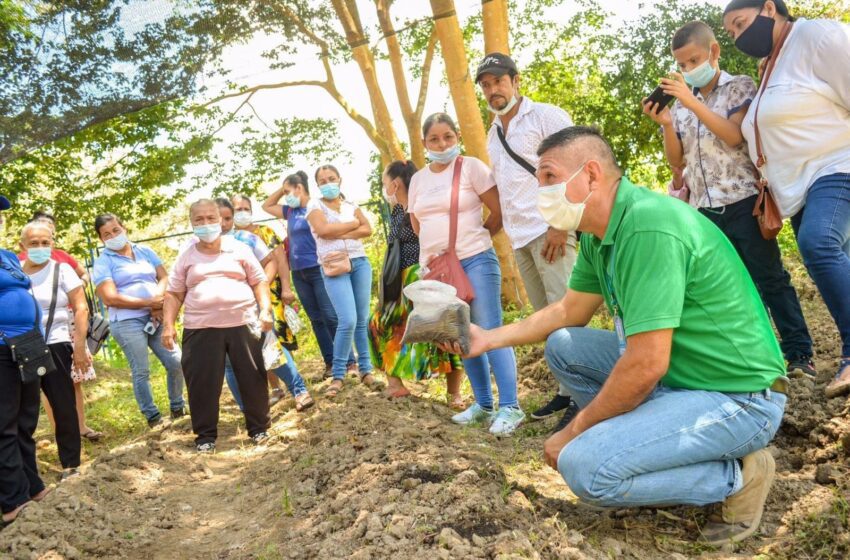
(675,85)
(656,107)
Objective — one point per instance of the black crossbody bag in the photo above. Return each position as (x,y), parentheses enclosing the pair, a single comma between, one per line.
(515,156)
(29,350)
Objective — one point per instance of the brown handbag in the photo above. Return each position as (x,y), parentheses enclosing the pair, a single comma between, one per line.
(446,267)
(766,211)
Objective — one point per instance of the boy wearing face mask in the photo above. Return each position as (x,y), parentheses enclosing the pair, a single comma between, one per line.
(702,133)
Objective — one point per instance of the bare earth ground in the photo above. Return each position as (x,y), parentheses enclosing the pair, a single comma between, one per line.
(364,477)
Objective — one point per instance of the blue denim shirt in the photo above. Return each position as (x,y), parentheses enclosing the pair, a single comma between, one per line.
(302,245)
(132,277)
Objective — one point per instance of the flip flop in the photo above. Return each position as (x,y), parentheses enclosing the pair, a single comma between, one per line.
(92,435)
(333,390)
(17,511)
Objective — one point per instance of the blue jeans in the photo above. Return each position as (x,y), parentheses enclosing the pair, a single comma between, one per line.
(351,295)
(678,447)
(288,373)
(134,342)
(310,287)
(486,312)
(822,228)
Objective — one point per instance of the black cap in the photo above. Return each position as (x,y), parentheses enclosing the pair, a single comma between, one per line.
(497,64)
(4,203)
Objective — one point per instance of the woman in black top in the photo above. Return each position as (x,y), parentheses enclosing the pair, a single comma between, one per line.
(412,361)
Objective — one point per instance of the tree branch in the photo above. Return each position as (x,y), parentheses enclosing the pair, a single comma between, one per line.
(426,74)
(252,90)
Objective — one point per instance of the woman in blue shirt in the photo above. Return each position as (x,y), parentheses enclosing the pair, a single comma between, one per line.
(19,402)
(304,263)
(130,279)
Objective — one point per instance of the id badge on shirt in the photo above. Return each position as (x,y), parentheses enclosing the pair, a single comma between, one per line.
(621,334)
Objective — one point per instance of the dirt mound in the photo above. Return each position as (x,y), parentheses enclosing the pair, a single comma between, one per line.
(364,477)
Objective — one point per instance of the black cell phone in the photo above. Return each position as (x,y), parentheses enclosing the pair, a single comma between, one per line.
(658,96)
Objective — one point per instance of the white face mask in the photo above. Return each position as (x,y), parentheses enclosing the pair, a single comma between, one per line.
(117,243)
(392,199)
(559,212)
(506,109)
(243,218)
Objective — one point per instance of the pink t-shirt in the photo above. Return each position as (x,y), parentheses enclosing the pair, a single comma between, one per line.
(430,199)
(218,288)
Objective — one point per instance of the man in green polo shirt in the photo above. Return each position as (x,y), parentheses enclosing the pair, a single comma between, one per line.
(679,403)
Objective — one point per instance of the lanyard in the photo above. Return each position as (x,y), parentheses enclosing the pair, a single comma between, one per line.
(618,316)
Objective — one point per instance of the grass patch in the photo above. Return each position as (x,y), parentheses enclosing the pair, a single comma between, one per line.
(823,535)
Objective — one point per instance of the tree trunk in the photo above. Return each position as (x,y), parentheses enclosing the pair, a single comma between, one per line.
(495,22)
(469,119)
(417,149)
(348,15)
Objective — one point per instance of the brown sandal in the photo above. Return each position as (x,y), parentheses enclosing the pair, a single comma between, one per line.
(333,389)
(92,435)
(303,402)
(370,381)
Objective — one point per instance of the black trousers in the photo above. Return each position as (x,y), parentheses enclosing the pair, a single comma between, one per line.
(204,351)
(764,263)
(19,404)
(58,387)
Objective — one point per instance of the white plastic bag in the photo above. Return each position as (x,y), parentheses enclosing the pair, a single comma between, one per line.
(293,320)
(273,355)
(438,315)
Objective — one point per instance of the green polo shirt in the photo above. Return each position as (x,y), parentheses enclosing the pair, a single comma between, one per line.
(674,269)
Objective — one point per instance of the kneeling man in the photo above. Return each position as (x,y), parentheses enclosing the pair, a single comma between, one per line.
(679,403)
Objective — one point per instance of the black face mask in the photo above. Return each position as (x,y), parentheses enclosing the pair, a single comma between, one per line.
(757,39)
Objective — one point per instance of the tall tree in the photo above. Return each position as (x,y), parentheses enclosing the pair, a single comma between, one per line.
(469,118)
(496,27)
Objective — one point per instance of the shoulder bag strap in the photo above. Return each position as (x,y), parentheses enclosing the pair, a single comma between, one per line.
(53,295)
(771,62)
(515,156)
(455,198)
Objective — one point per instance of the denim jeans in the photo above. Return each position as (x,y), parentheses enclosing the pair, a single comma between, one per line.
(678,447)
(351,295)
(134,342)
(486,312)
(288,373)
(764,263)
(822,228)
(310,287)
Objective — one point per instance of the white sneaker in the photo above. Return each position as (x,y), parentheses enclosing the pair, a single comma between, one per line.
(507,420)
(472,415)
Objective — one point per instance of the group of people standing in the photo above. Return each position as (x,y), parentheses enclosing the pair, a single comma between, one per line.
(675,406)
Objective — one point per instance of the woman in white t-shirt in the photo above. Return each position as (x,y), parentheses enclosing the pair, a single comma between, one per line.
(58,386)
(429,203)
(338,227)
(804,124)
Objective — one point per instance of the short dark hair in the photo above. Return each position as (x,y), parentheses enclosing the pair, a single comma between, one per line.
(566,136)
(42,214)
(696,32)
(239,196)
(781,8)
(435,119)
(104,219)
(326,166)
(404,170)
(222,202)
(299,178)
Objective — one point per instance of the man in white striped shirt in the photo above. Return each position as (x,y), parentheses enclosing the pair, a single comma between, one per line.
(545,256)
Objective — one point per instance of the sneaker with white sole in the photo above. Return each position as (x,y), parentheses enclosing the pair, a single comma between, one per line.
(507,420)
(260,438)
(471,415)
(208,447)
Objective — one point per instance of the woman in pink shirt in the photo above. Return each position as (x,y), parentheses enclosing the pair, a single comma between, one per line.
(429,203)
(220,283)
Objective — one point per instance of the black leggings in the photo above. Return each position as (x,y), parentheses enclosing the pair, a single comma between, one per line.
(58,387)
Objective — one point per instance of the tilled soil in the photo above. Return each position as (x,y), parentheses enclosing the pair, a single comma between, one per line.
(364,477)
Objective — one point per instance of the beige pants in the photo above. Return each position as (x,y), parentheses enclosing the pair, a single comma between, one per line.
(545,282)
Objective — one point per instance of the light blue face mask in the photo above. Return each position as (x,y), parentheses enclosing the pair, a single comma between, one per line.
(293,201)
(39,255)
(208,233)
(700,76)
(446,156)
(330,191)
